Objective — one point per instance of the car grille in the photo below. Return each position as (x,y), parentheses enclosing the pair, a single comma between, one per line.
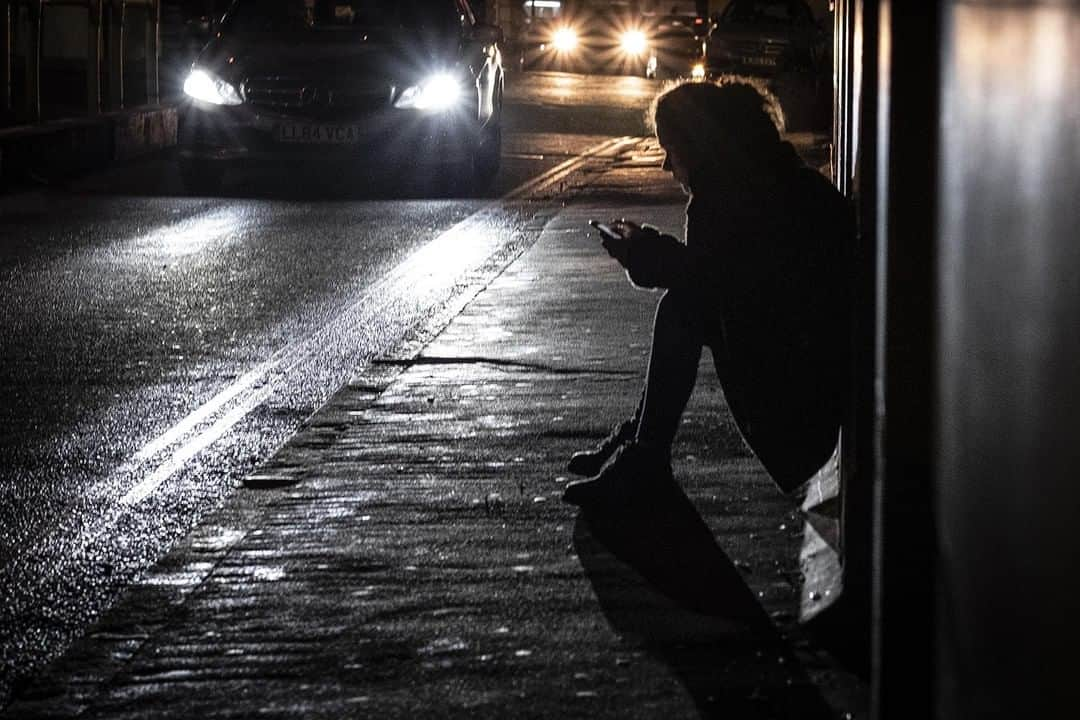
(752,47)
(289,96)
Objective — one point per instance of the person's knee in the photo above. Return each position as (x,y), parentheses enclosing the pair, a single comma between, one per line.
(679,319)
(676,307)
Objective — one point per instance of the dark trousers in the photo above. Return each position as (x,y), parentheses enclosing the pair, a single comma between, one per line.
(678,337)
(790,421)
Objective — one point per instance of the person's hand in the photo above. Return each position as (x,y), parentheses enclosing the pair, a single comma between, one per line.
(630,234)
(636,234)
(649,258)
(616,246)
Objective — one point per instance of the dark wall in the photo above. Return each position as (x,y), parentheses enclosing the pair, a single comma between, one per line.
(1008,495)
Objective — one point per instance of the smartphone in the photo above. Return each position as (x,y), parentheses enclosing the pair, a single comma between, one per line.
(606,230)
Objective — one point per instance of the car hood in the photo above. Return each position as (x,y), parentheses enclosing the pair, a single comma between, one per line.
(321,60)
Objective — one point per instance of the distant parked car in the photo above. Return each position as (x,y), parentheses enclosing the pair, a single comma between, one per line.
(413,85)
(676,46)
(766,38)
(606,39)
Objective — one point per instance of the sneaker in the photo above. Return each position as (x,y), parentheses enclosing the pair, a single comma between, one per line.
(632,473)
(589,462)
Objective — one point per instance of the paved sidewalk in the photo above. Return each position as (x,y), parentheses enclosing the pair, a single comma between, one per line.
(422,564)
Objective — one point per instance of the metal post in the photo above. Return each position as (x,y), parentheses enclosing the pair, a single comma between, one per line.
(93,56)
(905,581)
(153,38)
(33,62)
(116,54)
(7,45)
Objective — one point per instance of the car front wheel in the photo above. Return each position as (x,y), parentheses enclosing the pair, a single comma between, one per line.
(488,156)
(475,174)
(451,179)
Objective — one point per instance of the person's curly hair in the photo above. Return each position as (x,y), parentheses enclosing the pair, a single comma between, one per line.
(732,118)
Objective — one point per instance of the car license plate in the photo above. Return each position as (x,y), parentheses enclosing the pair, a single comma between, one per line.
(318,133)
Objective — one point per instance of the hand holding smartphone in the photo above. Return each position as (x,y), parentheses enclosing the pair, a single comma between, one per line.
(614,239)
(607,231)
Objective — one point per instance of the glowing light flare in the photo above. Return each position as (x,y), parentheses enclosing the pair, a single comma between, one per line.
(439,92)
(565,39)
(633,42)
(697,72)
(208,88)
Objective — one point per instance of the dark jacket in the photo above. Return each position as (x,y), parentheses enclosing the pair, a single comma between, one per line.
(768,260)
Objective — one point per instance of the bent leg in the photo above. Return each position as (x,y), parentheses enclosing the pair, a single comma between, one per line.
(678,336)
(639,467)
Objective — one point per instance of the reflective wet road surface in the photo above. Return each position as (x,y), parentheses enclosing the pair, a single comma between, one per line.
(156,347)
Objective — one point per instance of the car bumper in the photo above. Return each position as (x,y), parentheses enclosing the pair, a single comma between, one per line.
(759,64)
(401,138)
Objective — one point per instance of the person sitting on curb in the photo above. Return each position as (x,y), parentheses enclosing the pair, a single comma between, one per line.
(763,280)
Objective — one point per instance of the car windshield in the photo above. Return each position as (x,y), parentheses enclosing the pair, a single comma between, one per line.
(674,28)
(289,16)
(766,12)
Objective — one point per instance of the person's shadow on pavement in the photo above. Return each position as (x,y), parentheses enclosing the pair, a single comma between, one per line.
(663,582)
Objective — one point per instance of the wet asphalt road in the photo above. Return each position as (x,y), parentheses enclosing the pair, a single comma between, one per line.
(155,347)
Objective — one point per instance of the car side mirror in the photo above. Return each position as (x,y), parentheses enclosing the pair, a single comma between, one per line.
(485,33)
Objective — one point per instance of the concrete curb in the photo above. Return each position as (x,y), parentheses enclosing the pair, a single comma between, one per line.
(65,148)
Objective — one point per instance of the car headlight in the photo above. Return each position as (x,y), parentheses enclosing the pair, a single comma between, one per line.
(438,92)
(633,42)
(208,88)
(565,39)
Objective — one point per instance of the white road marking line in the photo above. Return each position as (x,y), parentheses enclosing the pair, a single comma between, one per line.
(193,447)
(563,169)
(445,256)
(201,414)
